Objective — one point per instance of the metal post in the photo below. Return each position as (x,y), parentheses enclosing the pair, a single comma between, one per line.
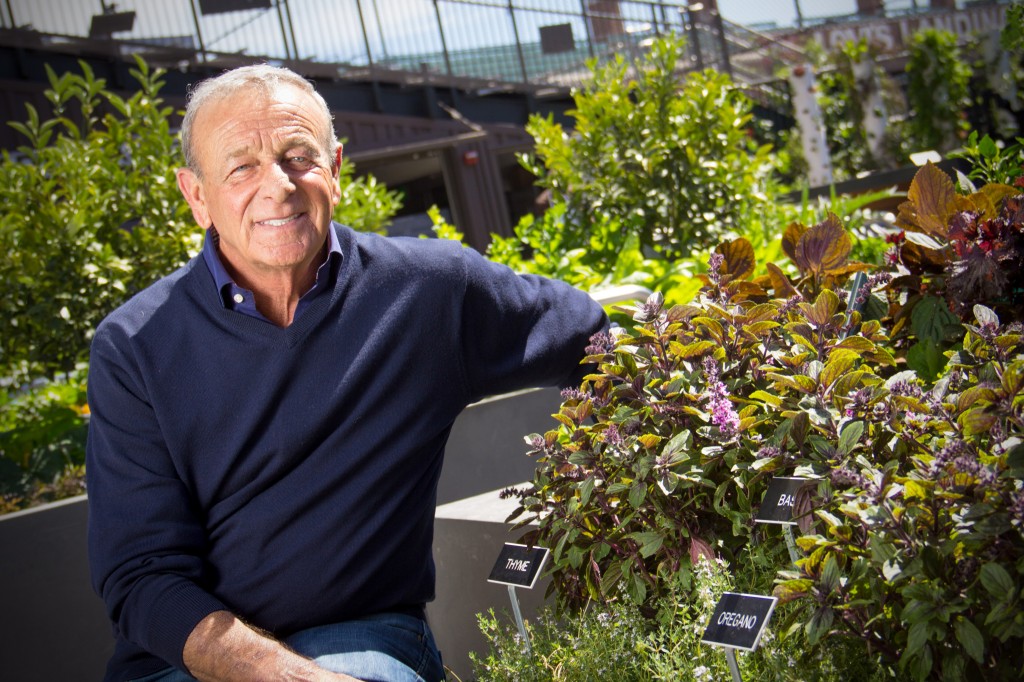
(199,32)
(691,27)
(10,11)
(444,44)
(291,27)
(366,36)
(519,44)
(586,26)
(519,618)
(380,30)
(723,43)
(790,543)
(284,30)
(730,656)
(799,15)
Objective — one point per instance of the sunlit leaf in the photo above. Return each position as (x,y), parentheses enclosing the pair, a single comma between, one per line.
(739,258)
(824,247)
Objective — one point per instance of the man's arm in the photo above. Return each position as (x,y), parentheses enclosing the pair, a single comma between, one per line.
(222,648)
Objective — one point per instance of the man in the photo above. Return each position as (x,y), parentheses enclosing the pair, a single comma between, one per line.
(268,422)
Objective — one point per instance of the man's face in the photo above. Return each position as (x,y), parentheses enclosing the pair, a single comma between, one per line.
(267,184)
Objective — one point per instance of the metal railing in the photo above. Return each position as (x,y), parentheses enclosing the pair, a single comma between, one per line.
(536,43)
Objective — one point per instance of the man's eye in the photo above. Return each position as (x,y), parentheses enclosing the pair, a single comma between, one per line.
(240,168)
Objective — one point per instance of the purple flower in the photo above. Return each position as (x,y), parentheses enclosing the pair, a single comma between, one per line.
(600,343)
(723,415)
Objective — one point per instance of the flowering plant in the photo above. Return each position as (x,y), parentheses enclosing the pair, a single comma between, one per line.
(913,525)
(919,546)
(664,451)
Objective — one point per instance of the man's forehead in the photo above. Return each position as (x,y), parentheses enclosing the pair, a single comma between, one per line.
(257,121)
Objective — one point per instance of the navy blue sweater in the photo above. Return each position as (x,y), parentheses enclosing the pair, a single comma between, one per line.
(289,474)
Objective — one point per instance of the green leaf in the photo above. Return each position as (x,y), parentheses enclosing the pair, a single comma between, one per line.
(997,581)
(637,494)
(926,359)
(917,637)
(649,541)
(840,360)
(931,319)
(586,489)
(766,397)
(976,421)
(850,436)
(970,638)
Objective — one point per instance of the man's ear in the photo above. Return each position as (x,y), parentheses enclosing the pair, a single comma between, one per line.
(192,189)
(336,172)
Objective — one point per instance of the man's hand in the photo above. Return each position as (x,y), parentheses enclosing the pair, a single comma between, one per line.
(222,648)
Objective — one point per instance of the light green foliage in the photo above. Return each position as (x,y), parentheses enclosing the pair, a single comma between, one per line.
(937,90)
(42,441)
(668,161)
(613,641)
(366,205)
(842,100)
(991,162)
(90,214)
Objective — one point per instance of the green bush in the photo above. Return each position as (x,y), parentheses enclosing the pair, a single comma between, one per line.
(937,91)
(91,214)
(665,449)
(668,161)
(42,441)
(615,641)
(914,522)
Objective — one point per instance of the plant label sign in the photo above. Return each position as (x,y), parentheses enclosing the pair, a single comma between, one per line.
(518,565)
(780,500)
(739,620)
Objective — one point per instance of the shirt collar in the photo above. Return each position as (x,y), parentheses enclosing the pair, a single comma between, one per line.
(227,287)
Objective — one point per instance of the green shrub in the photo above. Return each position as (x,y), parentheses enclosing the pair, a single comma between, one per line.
(937,91)
(921,545)
(662,454)
(615,641)
(914,523)
(668,161)
(42,441)
(91,214)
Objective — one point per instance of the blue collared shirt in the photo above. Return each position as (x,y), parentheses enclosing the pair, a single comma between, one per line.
(234,297)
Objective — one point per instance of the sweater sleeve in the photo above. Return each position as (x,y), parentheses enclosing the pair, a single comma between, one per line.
(523,331)
(146,538)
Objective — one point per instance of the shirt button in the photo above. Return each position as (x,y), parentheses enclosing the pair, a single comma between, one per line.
(239,298)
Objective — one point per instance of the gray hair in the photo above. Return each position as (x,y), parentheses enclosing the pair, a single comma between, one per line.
(262,77)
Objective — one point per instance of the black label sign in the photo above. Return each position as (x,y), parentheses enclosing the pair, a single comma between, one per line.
(518,565)
(739,620)
(780,500)
(221,6)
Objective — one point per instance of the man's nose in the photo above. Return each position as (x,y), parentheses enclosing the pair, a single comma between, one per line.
(277,183)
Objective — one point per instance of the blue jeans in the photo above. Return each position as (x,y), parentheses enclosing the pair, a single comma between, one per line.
(387,647)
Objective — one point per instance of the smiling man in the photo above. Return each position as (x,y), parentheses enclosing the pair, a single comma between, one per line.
(268,422)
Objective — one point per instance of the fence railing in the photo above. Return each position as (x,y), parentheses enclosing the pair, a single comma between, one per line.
(539,43)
